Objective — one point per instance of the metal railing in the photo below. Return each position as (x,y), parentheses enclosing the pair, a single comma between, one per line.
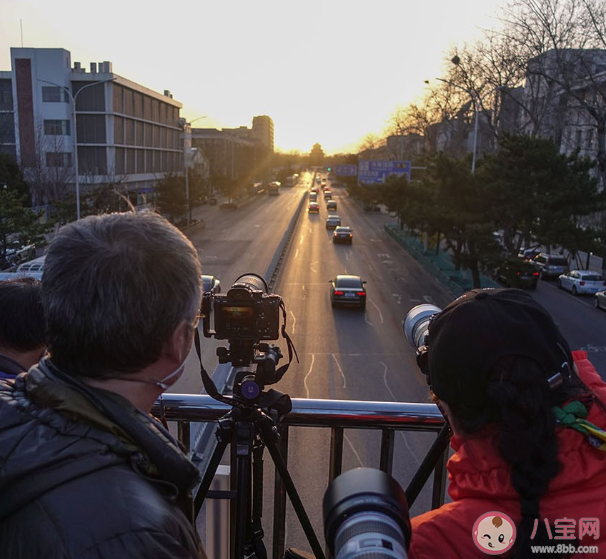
(336,415)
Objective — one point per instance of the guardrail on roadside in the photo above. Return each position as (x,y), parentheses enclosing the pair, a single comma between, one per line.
(337,415)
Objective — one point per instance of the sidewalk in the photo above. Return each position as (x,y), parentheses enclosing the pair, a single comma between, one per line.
(438,265)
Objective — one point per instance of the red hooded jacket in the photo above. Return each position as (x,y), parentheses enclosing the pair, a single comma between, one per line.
(479,483)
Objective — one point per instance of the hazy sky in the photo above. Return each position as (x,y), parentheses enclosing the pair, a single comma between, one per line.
(327,71)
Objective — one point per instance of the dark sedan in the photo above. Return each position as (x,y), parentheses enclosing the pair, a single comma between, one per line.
(342,235)
(348,290)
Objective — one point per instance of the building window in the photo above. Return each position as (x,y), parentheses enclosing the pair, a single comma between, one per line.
(6,95)
(57,128)
(579,138)
(54,94)
(58,159)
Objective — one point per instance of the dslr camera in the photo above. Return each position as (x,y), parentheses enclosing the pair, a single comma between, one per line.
(246,313)
(246,316)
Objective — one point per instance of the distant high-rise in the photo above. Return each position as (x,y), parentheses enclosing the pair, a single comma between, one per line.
(263,131)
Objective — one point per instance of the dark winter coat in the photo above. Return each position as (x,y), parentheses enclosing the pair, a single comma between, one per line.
(85,475)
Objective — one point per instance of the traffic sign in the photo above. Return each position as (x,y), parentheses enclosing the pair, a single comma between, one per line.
(346,170)
(376,171)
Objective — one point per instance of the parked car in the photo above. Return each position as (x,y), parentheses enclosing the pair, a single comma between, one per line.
(348,290)
(35,265)
(342,235)
(599,300)
(551,265)
(581,282)
(332,221)
(529,253)
(313,208)
(17,253)
(331,206)
(515,272)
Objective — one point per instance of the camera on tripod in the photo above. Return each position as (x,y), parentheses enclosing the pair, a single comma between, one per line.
(246,313)
(245,316)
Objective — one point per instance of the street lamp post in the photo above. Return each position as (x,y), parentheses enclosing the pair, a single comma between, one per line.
(476,110)
(73,102)
(475,126)
(185,161)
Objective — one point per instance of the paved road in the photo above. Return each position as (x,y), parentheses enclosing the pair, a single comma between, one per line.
(347,353)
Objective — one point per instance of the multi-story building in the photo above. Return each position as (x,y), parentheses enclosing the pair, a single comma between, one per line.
(263,132)
(123,133)
(238,154)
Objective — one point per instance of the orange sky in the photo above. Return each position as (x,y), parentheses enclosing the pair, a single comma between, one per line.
(327,71)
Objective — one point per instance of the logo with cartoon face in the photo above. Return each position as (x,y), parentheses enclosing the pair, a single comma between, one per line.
(494,533)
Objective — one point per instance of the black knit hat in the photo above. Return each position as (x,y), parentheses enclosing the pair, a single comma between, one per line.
(481,327)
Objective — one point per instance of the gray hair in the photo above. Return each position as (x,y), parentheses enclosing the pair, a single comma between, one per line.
(114,288)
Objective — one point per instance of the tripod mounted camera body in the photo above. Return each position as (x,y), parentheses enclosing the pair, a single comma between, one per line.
(247,315)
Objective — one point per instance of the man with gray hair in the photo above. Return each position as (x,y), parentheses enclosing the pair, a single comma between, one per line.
(85,471)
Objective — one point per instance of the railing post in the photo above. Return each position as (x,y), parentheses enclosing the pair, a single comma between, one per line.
(217,517)
(184,434)
(336,453)
(387,444)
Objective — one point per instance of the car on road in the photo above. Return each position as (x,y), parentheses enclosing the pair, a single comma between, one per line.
(327,195)
(331,206)
(580,282)
(342,235)
(348,290)
(551,265)
(515,272)
(599,300)
(332,221)
(313,208)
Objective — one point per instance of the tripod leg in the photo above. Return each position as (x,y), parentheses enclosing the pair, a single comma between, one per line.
(213,464)
(269,440)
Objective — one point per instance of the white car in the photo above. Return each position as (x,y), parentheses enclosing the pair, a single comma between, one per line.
(581,282)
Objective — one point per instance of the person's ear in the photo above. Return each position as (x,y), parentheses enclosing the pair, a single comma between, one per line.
(179,343)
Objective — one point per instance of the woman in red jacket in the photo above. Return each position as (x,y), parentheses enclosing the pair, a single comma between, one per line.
(529,467)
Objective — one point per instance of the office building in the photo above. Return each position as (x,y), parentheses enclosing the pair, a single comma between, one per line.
(127,135)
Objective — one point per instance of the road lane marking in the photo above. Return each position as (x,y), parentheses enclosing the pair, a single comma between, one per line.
(301,239)
(378,310)
(311,366)
(393,397)
(354,450)
(296,253)
(294,322)
(340,371)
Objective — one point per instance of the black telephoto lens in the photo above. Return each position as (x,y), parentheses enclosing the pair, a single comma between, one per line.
(366,515)
(253,282)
